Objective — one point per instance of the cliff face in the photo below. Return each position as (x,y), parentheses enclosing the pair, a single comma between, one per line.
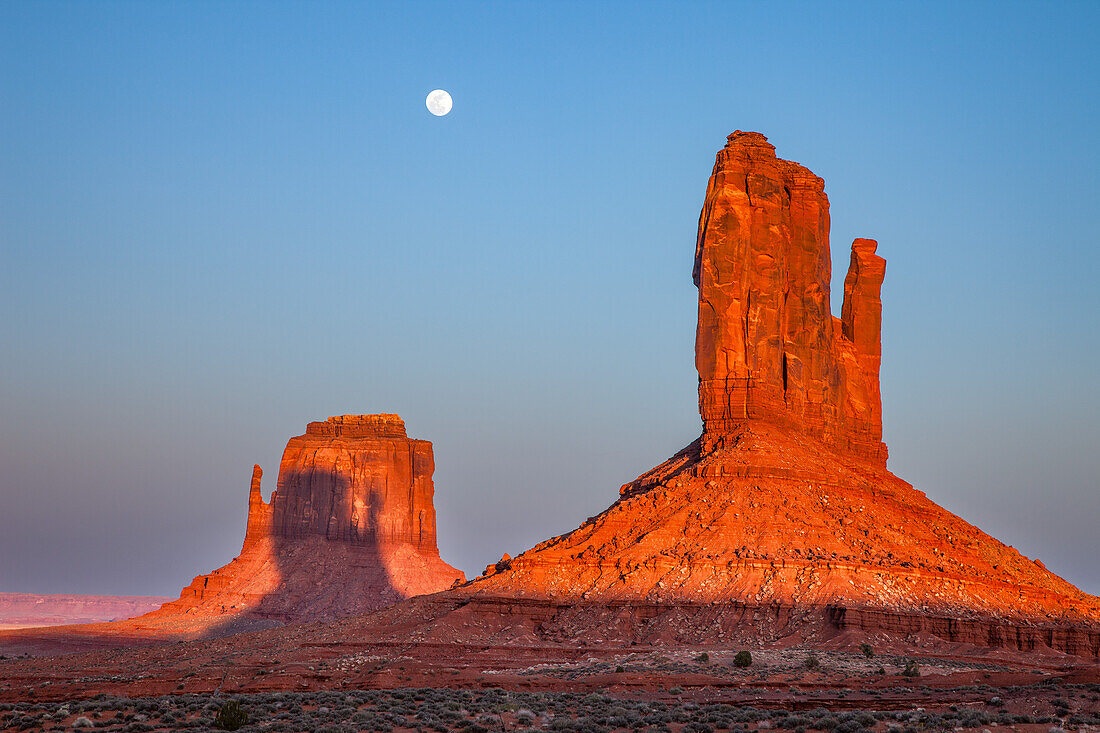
(350,528)
(767,346)
(357,479)
(784,504)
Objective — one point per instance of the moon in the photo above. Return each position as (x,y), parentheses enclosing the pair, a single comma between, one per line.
(438,102)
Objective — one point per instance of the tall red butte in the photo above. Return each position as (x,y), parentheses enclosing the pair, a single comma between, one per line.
(781,519)
(350,528)
(767,346)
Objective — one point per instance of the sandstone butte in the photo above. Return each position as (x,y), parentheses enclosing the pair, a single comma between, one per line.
(782,515)
(350,528)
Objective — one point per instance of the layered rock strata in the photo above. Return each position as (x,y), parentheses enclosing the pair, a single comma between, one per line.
(357,479)
(767,346)
(350,528)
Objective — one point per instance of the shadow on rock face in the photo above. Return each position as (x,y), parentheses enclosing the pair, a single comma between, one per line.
(349,529)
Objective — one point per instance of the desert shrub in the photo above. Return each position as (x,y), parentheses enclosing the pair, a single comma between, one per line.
(743,659)
(812,662)
(697,727)
(615,718)
(370,721)
(971,719)
(937,722)
(1082,719)
(911,669)
(231,716)
(867,650)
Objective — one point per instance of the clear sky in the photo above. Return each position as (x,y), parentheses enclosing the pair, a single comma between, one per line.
(219,221)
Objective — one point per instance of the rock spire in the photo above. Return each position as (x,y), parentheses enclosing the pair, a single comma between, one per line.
(767,346)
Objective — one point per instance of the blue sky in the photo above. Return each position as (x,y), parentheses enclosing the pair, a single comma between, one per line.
(219,221)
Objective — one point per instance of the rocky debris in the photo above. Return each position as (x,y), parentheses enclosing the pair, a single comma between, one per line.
(446,641)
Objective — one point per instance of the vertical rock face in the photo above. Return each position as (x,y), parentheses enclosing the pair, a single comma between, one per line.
(350,528)
(767,345)
(358,479)
(861,336)
(259,512)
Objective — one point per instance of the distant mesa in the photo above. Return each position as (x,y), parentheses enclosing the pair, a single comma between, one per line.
(29,610)
(350,528)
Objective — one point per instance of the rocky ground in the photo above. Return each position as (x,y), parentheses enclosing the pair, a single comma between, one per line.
(795,689)
(790,690)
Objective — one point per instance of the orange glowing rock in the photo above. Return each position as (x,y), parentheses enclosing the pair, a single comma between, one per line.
(784,503)
(357,479)
(350,528)
(767,346)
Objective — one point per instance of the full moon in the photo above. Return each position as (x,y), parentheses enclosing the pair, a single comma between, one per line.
(438,102)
